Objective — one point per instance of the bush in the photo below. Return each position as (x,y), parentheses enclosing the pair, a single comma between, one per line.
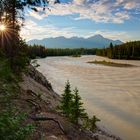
(90,123)
(12,127)
(5,70)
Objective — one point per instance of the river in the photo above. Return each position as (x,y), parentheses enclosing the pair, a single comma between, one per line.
(112,93)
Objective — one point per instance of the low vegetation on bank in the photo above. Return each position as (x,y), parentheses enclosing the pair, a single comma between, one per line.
(12,117)
(107,63)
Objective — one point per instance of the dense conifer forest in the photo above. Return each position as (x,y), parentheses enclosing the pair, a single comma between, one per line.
(129,50)
(40,51)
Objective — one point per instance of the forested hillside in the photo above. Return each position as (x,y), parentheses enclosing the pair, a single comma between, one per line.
(129,50)
(40,51)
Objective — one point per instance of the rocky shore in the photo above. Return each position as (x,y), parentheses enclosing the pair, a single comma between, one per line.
(36,87)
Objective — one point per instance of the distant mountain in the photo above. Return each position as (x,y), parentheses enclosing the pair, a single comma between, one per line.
(96,41)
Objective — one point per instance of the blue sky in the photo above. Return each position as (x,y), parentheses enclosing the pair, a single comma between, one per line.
(115,19)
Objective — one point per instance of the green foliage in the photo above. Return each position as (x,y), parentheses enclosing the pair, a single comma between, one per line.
(36,51)
(12,121)
(20,62)
(92,123)
(5,70)
(13,128)
(77,110)
(66,102)
(129,50)
(21,59)
(40,51)
(76,55)
(14,63)
(71,104)
(11,14)
(108,63)
(7,73)
(1,52)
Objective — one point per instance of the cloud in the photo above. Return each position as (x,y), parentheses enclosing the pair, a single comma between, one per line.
(78,2)
(129,4)
(116,11)
(32,30)
(35,15)
(104,11)
(97,10)
(115,35)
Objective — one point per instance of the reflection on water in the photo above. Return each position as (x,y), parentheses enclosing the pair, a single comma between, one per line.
(112,93)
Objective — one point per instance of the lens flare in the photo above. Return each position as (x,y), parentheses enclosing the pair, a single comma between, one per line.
(2,27)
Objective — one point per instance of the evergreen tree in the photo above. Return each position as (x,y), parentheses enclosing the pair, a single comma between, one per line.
(111,51)
(93,121)
(77,108)
(129,50)
(66,101)
(11,13)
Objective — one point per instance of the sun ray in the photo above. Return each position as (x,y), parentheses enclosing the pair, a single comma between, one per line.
(2,27)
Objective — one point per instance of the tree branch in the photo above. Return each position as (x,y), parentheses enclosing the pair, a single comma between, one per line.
(38,107)
(45,118)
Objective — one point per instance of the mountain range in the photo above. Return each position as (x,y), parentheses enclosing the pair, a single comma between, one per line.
(96,41)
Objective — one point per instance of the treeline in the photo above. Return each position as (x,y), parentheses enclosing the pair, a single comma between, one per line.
(129,50)
(40,51)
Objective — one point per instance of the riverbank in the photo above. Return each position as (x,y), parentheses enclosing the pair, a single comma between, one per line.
(34,82)
(108,63)
(110,93)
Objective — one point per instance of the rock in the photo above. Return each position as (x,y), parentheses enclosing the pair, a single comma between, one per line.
(37,76)
(53,137)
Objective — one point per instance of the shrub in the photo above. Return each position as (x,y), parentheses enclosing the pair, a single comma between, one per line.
(13,128)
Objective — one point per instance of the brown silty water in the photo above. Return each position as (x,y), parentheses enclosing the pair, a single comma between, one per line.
(112,93)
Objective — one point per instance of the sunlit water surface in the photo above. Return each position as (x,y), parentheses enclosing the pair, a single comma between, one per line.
(112,93)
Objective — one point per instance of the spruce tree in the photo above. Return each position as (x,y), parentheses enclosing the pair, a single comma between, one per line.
(66,101)
(77,108)
(93,121)
(11,15)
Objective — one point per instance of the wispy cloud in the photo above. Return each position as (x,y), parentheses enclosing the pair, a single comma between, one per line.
(99,11)
(115,35)
(36,15)
(96,10)
(33,30)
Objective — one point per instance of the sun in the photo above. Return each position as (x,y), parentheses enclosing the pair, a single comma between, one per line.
(2,27)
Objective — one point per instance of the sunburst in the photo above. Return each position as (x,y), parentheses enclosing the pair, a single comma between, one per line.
(2,27)
(5,34)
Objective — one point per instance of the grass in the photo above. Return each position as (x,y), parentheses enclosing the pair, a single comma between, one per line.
(113,64)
